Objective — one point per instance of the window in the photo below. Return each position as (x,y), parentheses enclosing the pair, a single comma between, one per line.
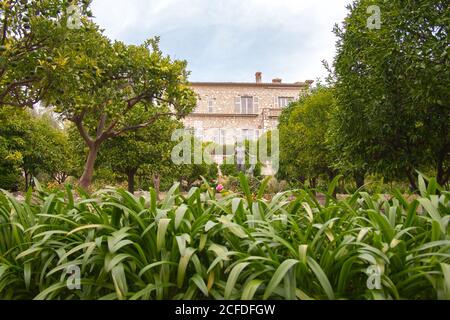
(198,133)
(284,101)
(248,134)
(246,105)
(222,137)
(210,105)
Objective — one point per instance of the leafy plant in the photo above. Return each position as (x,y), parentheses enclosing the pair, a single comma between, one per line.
(391,89)
(241,246)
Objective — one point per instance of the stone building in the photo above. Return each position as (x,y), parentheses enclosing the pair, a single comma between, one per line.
(229,111)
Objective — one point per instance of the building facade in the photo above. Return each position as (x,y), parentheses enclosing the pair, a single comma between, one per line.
(229,111)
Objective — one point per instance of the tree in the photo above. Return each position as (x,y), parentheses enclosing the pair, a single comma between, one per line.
(30,34)
(192,171)
(45,149)
(99,83)
(30,145)
(392,114)
(304,149)
(57,153)
(147,149)
(13,128)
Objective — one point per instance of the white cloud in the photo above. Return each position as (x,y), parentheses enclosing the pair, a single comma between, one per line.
(228,40)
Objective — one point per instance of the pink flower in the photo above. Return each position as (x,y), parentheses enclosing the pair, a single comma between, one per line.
(219,188)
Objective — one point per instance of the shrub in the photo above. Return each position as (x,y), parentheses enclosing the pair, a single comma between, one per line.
(240,246)
(229,169)
(9,180)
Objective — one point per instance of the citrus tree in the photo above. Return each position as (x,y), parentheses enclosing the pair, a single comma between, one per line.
(31,32)
(304,149)
(147,149)
(392,88)
(98,83)
(31,145)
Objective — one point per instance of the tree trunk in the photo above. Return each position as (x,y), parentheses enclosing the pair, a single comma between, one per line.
(302,180)
(412,181)
(29,180)
(86,178)
(131,173)
(441,174)
(26,180)
(313,183)
(359,179)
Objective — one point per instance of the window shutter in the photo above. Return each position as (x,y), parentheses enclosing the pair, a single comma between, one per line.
(275,102)
(255,104)
(237,105)
(249,105)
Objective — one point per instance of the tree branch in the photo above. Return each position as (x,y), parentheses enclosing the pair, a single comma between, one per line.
(150,121)
(101,125)
(5,27)
(78,120)
(130,104)
(13,85)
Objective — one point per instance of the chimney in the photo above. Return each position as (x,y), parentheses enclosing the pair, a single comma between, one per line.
(276,80)
(258,77)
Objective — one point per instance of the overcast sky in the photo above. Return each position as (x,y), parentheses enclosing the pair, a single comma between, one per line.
(229,40)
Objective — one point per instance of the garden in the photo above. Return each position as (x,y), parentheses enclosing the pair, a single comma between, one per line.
(239,246)
(93,206)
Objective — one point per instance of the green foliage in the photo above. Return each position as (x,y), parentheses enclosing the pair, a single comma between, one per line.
(32,34)
(48,151)
(96,77)
(31,145)
(190,173)
(304,150)
(12,129)
(147,150)
(99,85)
(105,87)
(251,154)
(196,246)
(229,169)
(392,89)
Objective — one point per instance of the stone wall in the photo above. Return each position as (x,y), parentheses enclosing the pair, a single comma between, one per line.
(222,97)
